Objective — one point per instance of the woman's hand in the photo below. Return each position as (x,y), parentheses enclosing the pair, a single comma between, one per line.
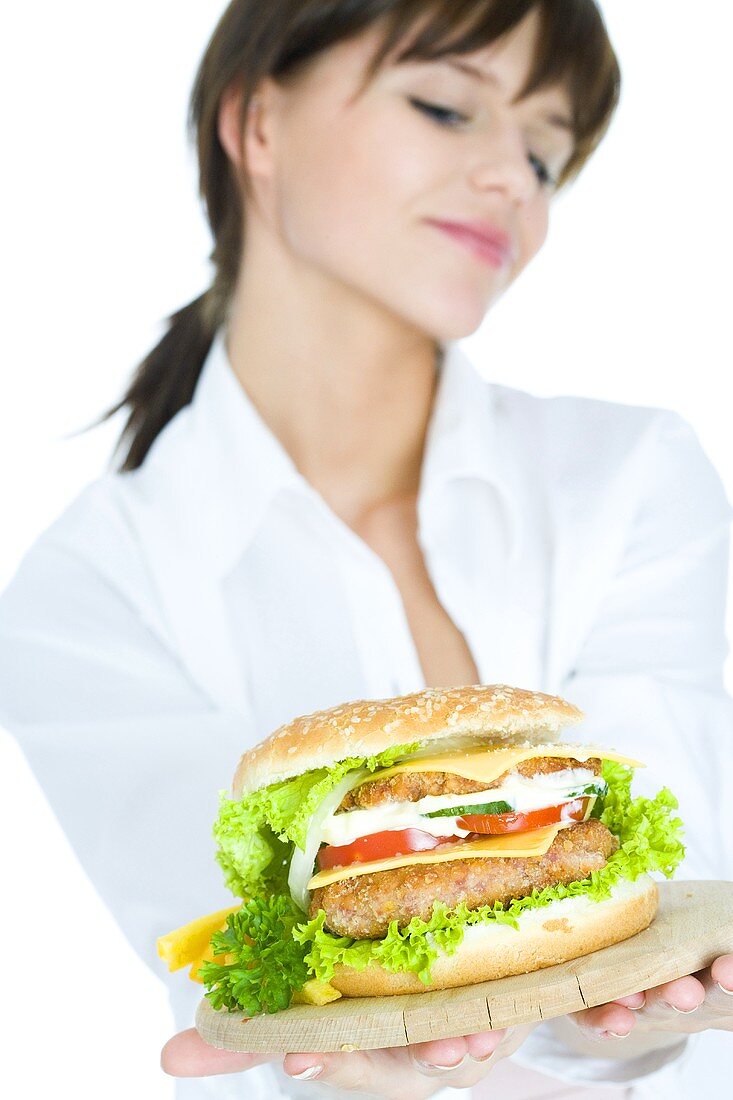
(416,1071)
(686,1005)
(681,1007)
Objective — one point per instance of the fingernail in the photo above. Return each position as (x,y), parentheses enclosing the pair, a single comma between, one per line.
(615,1034)
(307,1074)
(484,1057)
(490,1053)
(728,992)
(634,1001)
(433,1067)
(682,1011)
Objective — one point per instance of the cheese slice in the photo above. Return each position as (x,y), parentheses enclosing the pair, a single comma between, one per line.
(486,765)
(534,843)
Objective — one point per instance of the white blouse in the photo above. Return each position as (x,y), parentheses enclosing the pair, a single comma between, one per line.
(175,615)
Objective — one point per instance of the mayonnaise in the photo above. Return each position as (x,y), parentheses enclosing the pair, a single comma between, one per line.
(522,793)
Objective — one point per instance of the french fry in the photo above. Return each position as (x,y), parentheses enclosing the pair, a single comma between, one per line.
(190,946)
(190,943)
(208,956)
(316,993)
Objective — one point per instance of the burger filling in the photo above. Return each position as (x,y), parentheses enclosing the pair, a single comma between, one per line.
(426,811)
(417,811)
(421,846)
(364,907)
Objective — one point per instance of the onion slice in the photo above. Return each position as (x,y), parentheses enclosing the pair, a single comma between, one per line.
(303,861)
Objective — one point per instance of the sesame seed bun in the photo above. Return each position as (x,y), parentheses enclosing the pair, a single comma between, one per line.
(458,717)
(553,934)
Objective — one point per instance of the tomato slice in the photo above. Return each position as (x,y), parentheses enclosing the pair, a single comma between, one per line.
(392,842)
(495,824)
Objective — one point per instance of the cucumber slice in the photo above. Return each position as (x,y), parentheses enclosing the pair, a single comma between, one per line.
(592,788)
(484,808)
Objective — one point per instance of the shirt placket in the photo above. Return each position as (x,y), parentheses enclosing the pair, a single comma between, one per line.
(389,658)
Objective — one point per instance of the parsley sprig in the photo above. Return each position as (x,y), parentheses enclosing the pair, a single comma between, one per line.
(268,964)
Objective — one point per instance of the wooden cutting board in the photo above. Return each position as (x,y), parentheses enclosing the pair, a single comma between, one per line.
(693,925)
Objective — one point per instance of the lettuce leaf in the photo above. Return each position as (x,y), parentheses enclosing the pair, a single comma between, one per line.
(649,835)
(650,841)
(255,835)
(252,858)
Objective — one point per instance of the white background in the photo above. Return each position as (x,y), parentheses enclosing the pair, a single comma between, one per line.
(103,236)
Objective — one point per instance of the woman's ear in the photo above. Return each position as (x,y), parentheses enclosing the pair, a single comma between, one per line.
(229,122)
(244,139)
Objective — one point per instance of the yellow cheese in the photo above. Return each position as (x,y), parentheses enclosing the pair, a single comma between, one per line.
(534,843)
(486,765)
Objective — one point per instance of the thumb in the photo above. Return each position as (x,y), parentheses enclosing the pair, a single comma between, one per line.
(187,1055)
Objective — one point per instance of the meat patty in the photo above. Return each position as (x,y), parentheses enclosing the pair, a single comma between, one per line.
(412,786)
(363,906)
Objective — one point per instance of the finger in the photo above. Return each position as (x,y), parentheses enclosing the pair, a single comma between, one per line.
(634,1001)
(187,1055)
(721,973)
(407,1071)
(483,1051)
(363,1071)
(683,995)
(608,1021)
(446,1053)
(717,981)
(677,1007)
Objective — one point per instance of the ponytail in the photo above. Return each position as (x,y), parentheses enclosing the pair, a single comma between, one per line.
(165,380)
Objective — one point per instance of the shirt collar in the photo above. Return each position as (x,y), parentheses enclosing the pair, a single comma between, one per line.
(236,451)
(461,440)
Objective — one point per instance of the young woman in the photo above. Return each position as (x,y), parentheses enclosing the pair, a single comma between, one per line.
(321,500)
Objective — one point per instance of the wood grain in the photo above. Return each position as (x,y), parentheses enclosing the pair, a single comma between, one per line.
(694,924)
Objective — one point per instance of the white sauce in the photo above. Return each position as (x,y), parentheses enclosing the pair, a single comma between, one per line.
(523,794)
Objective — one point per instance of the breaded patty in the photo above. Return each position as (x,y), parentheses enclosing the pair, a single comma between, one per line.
(412,786)
(363,906)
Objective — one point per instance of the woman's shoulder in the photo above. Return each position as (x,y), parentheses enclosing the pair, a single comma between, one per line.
(589,429)
(586,444)
(102,522)
(94,525)
(88,555)
(563,419)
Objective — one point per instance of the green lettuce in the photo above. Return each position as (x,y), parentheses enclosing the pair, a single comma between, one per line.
(255,836)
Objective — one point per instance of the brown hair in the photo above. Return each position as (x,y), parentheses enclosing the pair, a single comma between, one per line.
(278,38)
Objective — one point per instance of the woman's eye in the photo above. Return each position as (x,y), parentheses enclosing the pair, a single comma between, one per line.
(446,116)
(443,115)
(541,170)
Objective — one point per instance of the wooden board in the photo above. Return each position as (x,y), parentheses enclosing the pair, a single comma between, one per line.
(693,925)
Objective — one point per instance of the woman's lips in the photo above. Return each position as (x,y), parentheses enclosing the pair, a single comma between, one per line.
(491,245)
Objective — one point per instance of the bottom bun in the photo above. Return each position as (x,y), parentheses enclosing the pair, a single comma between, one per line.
(553,934)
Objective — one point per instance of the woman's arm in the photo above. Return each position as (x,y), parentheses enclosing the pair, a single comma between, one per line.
(131,756)
(649,675)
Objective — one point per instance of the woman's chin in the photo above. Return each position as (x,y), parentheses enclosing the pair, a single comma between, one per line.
(452,311)
(452,320)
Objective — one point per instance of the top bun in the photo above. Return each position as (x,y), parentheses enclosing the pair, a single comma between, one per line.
(463,716)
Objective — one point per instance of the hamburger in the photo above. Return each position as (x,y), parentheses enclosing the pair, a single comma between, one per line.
(431,840)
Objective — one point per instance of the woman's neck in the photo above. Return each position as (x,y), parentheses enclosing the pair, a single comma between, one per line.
(347,392)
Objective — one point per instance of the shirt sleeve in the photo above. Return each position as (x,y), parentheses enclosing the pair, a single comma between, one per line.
(649,676)
(130,755)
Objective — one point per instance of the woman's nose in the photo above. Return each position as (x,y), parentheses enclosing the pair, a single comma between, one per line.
(505,167)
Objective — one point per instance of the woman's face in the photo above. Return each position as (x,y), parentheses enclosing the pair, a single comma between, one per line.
(355,185)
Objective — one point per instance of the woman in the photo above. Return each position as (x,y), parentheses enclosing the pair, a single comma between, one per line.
(320,499)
